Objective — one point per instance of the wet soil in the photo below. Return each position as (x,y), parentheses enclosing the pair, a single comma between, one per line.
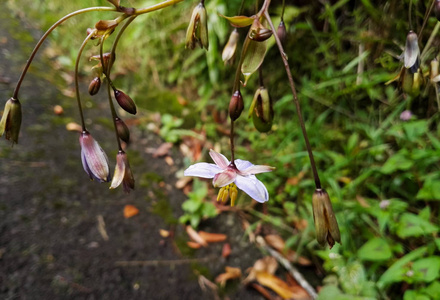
(63,236)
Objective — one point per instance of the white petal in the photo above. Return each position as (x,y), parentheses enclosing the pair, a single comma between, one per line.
(203,170)
(257,170)
(224,178)
(219,159)
(412,50)
(253,187)
(242,164)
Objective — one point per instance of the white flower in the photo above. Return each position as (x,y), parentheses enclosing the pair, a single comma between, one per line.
(240,172)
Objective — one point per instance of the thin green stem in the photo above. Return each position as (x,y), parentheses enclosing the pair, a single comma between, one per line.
(296,101)
(78,98)
(282,12)
(430,40)
(425,19)
(241,8)
(43,38)
(156,7)
(409,15)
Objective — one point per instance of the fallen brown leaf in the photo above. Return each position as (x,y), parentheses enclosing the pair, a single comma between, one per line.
(195,236)
(274,283)
(231,273)
(130,211)
(226,250)
(73,127)
(193,245)
(277,242)
(162,150)
(265,293)
(212,237)
(58,110)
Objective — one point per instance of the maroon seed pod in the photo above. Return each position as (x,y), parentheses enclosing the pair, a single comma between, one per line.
(236,105)
(281,32)
(125,102)
(123,132)
(94,86)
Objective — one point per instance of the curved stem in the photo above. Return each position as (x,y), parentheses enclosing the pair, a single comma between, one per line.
(43,38)
(425,19)
(78,99)
(156,7)
(107,74)
(295,100)
(282,12)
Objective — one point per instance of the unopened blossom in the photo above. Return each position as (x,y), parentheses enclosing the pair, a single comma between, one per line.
(11,120)
(94,159)
(197,32)
(240,173)
(411,55)
(228,53)
(123,173)
(326,226)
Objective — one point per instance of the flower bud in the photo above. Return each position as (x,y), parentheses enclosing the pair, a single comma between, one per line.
(326,226)
(122,173)
(262,110)
(228,53)
(260,34)
(281,32)
(123,132)
(236,105)
(11,120)
(411,54)
(94,86)
(434,69)
(125,102)
(437,9)
(94,159)
(197,32)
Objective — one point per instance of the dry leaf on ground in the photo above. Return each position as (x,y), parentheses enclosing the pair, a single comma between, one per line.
(162,150)
(195,236)
(212,237)
(130,211)
(231,273)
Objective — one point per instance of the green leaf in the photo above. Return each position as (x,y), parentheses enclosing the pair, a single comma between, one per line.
(239,21)
(426,269)
(376,249)
(414,295)
(399,161)
(352,278)
(430,190)
(413,225)
(433,290)
(415,129)
(397,271)
(253,57)
(191,206)
(209,210)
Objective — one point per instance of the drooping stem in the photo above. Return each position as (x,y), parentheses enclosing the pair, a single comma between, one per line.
(282,12)
(231,136)
(78,98)
(430,40)
(107,72)
(296,101)
(425,19)
(43,38)
(409,15)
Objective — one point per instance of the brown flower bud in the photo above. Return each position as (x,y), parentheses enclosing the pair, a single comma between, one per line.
(437,9)
(123,132)
(125,102)
(94,86)
(236,105)
(281,32)
(326,226)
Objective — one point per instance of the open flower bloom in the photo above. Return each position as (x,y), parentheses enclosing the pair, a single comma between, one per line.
(11,120)
(123,173)
(225,173)
(94,159)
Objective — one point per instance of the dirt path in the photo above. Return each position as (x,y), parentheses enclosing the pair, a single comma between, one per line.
(62,236)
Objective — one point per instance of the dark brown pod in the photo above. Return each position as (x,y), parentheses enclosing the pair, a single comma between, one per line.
(94,86)
(123,132)
(281,32)
(125,102)
(236,105)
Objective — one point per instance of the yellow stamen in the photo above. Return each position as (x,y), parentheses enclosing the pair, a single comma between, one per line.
(225,194)
(228,190)
(233,193)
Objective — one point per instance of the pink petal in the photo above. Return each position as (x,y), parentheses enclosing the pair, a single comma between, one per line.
(224,178)
(94,157)
(219,159)
(118,176)
(256,170)
(203,170)
(253,187)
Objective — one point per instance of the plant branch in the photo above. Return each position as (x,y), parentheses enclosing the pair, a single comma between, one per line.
(156,7)
(43,38)
(295,100)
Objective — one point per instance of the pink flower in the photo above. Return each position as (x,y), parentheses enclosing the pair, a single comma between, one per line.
(240,172)
(93,158)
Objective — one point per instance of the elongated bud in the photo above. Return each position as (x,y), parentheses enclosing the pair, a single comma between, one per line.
(228,53)
(326,226)
(123,132)
(434,68)
(11,120)
(437,9)
(412,52)
(236,105)
(122,173)
(281,32)
(94,86)
(94,159)
(197,32)
(125,102)
(260,35)
(407,80)
(262,110)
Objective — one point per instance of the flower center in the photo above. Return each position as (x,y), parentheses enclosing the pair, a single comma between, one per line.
(228,190)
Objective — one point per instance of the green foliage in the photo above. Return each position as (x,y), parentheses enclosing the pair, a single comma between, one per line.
(196,208)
